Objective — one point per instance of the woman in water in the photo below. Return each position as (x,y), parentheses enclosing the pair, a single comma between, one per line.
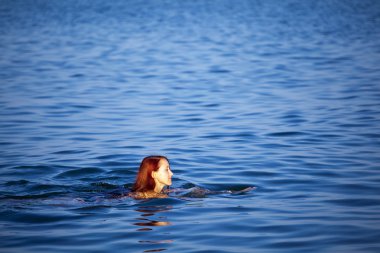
(154,174)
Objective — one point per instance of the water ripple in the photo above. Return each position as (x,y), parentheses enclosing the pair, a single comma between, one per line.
(278,95)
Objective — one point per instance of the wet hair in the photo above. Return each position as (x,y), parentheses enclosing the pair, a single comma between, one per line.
(144,180)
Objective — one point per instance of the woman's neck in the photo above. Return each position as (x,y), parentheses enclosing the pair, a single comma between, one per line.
(158,188)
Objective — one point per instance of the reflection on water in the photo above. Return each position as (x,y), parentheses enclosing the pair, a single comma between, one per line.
(149,223)
(154,250)
(153,221)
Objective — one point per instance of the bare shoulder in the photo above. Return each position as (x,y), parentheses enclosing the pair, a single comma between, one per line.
(146,195)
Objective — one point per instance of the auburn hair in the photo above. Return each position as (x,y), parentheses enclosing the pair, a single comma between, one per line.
(144,180)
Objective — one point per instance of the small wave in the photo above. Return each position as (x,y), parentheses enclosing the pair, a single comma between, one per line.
(69,152)
(79,172)
(34,196)
(219,71)
(17,183)
(286,134)
(104,185)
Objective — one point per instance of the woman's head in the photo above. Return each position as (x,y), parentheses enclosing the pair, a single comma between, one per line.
(153,175)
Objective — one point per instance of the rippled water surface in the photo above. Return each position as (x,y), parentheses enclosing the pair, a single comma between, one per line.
(283,96)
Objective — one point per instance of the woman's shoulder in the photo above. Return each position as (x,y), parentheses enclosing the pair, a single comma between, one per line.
(146,195)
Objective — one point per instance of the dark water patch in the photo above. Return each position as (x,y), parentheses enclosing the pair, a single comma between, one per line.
(293,182)
(33,218)
(357,188)
(351,237)
(325,173)
(22,182)
(69,152)
(118,165)
(180,150)
(35,196)
(60,126)
(38,187)
(133,147)
(296,245)
(354,202)
(28,170)
(104,185)
(23,122)
(17,113)
(212,105)
(122,171)
(328,136)
(225,118)
(171,136)
(127,186)
(82,139)
(158,205)
(82,172)
(258,174)
(148,76)
(92,209)
(223,135)
(111,157)
(295,120)
(39,138)
(352,125)
(370,135)
(287,134)
(79,106)
(219,71)
(276,229)
(275,146)
(7,143)
(245,135)
(77,75)
(336,162)
(192,120)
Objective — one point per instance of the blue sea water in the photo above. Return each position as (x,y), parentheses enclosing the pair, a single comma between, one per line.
(282,95)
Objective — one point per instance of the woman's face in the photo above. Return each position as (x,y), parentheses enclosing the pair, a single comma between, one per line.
(164,175)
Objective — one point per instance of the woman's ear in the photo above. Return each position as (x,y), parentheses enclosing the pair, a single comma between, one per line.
(153,174)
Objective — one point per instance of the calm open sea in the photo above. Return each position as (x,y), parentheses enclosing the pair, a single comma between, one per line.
(279,95)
